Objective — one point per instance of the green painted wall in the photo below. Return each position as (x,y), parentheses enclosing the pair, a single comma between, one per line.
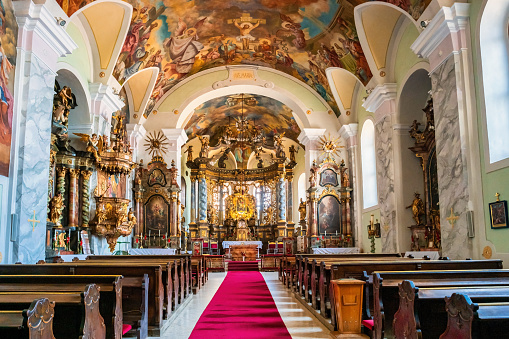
(405,57)
(79,59)
(496,181)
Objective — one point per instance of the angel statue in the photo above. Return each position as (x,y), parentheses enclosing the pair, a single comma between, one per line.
(183,46)
(204,152)
(94,144)
(278,143)
(189,152)
(56,206)
(131,218)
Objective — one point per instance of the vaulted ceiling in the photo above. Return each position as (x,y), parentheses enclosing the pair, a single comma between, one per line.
(301,38)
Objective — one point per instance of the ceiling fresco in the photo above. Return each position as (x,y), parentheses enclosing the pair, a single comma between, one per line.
(299,37)
(268,115)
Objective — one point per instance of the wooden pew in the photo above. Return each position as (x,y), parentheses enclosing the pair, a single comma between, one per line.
(388,288)
(215,263)
(33,323)
(128,270)
(110,287)
(76,312)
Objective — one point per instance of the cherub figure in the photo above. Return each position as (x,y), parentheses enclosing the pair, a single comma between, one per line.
(94,144)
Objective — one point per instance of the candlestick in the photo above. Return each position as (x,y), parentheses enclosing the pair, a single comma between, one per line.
(325,233)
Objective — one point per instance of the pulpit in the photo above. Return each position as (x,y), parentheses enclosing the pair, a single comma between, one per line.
(244,252)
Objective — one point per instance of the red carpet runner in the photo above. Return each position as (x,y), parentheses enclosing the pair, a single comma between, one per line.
(241,308)
(243,266)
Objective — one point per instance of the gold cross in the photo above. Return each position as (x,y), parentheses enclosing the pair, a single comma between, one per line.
(33,221)
(498,196)
(452,218)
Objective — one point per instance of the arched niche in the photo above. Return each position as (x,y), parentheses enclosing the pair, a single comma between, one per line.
(408,170)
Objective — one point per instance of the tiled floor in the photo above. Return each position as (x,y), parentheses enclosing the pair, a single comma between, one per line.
(299,321)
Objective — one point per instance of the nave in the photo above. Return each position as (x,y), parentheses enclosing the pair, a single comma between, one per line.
(299,322)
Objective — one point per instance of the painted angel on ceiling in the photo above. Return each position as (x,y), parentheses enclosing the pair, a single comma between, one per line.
(291,28)
(183,45)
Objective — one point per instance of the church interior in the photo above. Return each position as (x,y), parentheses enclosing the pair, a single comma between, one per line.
(254,169)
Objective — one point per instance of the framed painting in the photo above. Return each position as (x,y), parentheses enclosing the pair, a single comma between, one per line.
(329,217)
(156,214)
(156,177)
(328,178)
(498,214)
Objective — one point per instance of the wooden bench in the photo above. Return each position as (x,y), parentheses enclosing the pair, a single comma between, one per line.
(430,286)
(135,272)
(76,312)
(33,323)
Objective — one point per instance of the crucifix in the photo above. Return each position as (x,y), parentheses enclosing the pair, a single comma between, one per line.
(452,218)
(34,221)
(246,24)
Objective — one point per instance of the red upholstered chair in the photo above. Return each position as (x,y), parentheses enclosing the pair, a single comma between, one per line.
(214,248)
(206,247)
(272,248)
(280,247)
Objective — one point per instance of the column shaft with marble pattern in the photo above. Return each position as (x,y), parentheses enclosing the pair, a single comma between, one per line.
(73,207)
(85,198)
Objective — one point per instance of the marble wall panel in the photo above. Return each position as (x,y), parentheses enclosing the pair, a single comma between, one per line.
(385,183)
(33,160)
(452,171)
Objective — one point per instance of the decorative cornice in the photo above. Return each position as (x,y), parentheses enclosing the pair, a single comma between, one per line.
(104,99)
(176,135)
(309,135)
(379,95)
(37,18)
(447,21)
(136,131)
(349,133)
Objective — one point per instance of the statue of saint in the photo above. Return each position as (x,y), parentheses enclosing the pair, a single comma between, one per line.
(292,151)
(417,209)
(56,206)
(204,152)
(302,210)
(189,151)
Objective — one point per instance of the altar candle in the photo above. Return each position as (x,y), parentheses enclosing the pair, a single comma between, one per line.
(336,232)
(325,233)
(372,219)
(159,233)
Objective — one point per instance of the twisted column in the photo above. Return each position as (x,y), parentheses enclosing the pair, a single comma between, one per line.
(281,199)
(85,198)
(193,199)
(202,199)
(61,171)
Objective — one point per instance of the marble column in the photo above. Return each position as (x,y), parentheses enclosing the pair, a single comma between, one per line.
(221,203)
(349,134)
(73,207)
(177,137)
(203,225)
(85,198)
(382,102)
(312,212)
(289,200)
(41,41)
(61,174)
(193,199)
(446,44)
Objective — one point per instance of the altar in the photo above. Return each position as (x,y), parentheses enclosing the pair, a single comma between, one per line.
(235,248)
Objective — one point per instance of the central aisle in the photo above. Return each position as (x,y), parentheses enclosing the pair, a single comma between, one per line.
(241,308)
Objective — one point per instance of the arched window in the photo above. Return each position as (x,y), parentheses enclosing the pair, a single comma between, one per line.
(495,74)
(301,187)
(369,190)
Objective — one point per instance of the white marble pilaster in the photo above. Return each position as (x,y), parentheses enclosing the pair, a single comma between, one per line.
(446,44)
(349,134)
(309,137)
(136,133)
(103,102)
(177,137)
(41,41)
(382,102)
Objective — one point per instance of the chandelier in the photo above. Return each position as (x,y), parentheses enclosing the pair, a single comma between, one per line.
(242,131)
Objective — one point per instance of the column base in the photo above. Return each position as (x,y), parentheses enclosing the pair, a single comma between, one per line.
(290,229)
(193,230)
(281,230)
(203,229)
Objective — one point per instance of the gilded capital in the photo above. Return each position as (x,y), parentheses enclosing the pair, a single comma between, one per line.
(86,174)
(74,172)
(61,171)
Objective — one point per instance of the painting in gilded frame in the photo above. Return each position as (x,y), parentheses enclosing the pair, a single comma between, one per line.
(156,177)
(498,214)
(328,178)
(329,215)
(156,214)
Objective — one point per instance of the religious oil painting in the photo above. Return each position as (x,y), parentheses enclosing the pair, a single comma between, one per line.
(8,37)
(113,185)
(156,214)
(301,38)
(156,177)
(498,214)
(328,177)
(329,215)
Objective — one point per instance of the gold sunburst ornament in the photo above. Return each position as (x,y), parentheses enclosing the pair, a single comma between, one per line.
(157,144)
(330,146)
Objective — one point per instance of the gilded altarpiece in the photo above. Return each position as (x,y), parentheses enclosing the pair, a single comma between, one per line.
(157,204)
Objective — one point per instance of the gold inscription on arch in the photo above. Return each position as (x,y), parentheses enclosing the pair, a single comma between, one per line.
(243,75)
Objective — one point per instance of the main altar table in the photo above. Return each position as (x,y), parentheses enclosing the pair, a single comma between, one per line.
(152,251)
(339,250)
(227,244)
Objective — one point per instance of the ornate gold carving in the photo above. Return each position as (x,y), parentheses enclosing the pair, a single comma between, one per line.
(487,252)
(74,172)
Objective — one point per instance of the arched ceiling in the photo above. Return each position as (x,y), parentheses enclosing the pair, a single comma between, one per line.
(268,115)
(299,37)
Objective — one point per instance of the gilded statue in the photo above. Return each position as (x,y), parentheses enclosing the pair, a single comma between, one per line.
(182,208)
(302,210)
(417,209)
(94,144)
(204,152)
(121,215)
(312,175)
(292,151)
(56,206)
(189,152)
(131,218)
